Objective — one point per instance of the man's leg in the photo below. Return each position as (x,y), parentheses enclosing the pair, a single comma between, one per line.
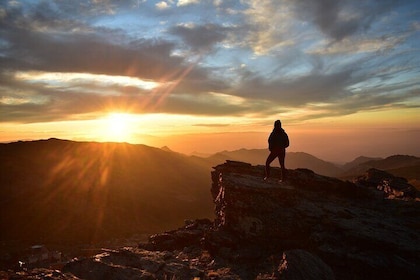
(269,160)
(282,156)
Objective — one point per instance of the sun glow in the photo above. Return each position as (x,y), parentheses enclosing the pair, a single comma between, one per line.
(118,127)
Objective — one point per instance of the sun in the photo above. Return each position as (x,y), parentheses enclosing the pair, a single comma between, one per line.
(118,127)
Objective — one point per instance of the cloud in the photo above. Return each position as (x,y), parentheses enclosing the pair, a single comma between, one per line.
(267,24)
(276,24)
(206,58)
(29,49)
(187,2)
(66,87)
(358,45)
(162,5)
(339,19)
(200,37)
(296,92)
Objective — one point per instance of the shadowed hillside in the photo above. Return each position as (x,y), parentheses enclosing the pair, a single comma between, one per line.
(358,161)
(399,165)
(78,191)
(389,163)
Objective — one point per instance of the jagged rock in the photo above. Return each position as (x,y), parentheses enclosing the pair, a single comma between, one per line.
(133,263)
(177,239)
(390,185)
(37,273)
(302,265)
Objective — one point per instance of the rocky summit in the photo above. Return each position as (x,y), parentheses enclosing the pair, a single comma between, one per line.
(309,227)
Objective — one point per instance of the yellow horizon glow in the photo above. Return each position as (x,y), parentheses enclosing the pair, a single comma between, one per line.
(113,123)
(189,133)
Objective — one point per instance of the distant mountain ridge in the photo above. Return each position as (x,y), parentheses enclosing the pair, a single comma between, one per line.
(399,165)
(358,161)
(391,162)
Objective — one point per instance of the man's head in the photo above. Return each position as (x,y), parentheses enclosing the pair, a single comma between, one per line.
(277,124)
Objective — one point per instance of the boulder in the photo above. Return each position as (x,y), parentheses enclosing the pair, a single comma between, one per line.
(388,185)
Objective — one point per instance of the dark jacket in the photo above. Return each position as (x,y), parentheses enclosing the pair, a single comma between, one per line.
(278,139)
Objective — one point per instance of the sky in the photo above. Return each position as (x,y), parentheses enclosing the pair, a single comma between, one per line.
(204,76)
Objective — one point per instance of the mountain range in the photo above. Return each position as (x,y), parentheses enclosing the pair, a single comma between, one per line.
(399,165)
(65,191)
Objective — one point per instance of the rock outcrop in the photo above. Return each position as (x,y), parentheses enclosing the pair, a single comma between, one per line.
(352,227)
(388,185)
(312,227)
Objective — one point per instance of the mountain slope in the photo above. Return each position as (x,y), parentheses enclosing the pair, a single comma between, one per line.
(56,189)
(393,162)
(405,163)
(358,161)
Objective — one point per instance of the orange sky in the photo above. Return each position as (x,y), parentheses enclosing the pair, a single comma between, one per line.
(340,139)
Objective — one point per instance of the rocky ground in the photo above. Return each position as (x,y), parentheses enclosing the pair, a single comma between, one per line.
(312,227)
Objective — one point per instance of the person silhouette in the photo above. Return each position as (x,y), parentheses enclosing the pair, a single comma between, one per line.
(278,141)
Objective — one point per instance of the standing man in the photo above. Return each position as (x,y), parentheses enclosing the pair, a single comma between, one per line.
(277,144)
